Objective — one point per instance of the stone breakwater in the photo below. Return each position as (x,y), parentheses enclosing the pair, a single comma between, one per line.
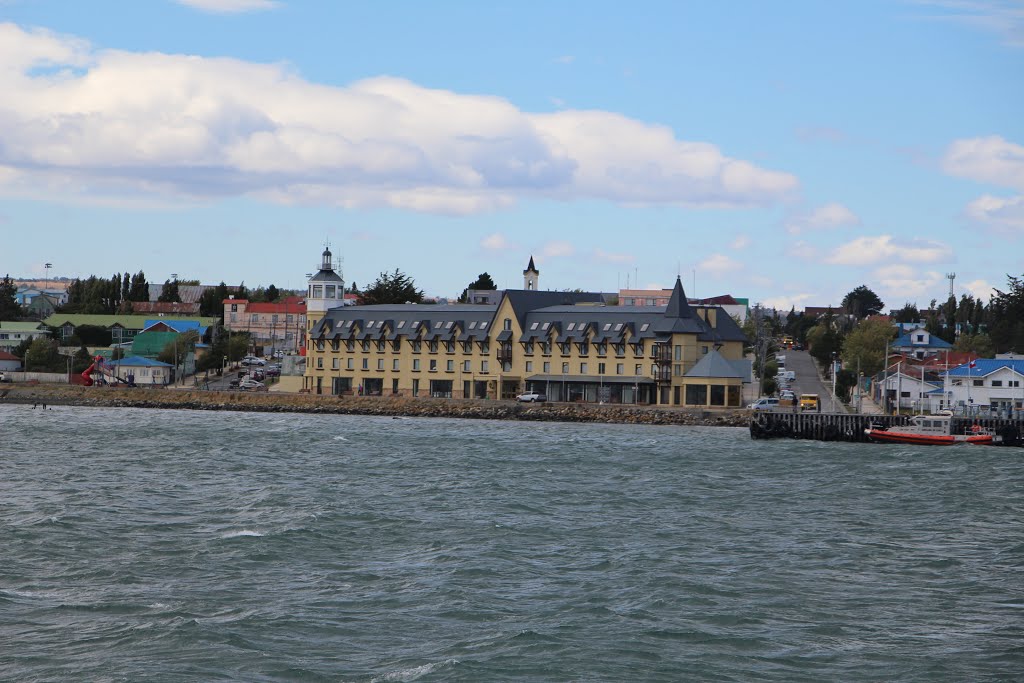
(350,405)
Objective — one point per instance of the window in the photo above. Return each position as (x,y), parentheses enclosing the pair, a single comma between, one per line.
(583,368)
(643,328)
(348,364)
(619,368)
(534,326)
(528,348)
(366,345)
(234,308)
(451,366)
(234,317)
(920,338)
(607,326)
(679,352)
(329,291)
(319,344)
(565,368)
(507,325)
(318,291)
(638,369)
(320,363)
(448,325)
(369,324)
(401,324)
(273,318)
(472,325)
(703,350)
(438,324)
(416,345)
(432,346)
(254,317)
(395,365)
(483,325)
(381,345)
(366,364)
(600,368)
(1013,383)
(571,327)
(415,387)
(529,366)
(415,364)
(449,346)
(545,326)
(483,366)
(547,367)
(335,363)
(380,363)
(997,382)
(467,366)
(979,382)
(350,345)
(433,365)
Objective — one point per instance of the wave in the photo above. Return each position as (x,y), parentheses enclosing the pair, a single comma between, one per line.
(243,532)
(405,675)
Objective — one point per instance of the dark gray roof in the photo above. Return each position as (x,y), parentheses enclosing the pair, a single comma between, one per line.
(715,364)
(408,320)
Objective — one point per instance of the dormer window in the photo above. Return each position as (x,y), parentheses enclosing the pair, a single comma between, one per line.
(401,324)
(607,326)
(643,328)
(483,326)
(571,327)
(545,326)
(472,325)
(448,325)
(369,324)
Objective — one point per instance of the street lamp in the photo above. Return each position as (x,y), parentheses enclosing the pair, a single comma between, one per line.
(833,381)
(47,267)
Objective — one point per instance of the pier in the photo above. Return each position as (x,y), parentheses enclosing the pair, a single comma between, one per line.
(847,427)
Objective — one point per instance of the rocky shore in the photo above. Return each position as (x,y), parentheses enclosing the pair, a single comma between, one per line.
(351,405)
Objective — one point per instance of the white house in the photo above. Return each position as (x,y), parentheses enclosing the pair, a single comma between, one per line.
(9,362)
(143,371)
(914,390)
(919,343)
(995,384)
(14,333)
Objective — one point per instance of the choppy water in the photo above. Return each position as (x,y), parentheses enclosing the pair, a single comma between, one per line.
(183,546)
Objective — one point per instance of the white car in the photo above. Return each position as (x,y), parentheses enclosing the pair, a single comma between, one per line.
(764,404)
(531,397)
(253,360)
(248,384)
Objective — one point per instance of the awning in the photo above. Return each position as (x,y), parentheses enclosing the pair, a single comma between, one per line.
(590,379)
(504,336)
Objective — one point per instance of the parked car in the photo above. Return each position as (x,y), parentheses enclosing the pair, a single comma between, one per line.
(258,375)
(765,403)
(248,384)
(531,397)
(253,360)
(273,372)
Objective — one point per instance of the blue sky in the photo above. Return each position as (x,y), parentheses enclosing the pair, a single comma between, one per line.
(785,152)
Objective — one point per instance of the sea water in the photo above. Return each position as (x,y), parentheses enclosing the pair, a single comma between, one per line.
(149,545)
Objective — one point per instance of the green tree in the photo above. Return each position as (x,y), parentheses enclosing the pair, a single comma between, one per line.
(9,308)
(139,290)
(482,282)
(182,346)
(42,356)
(392,288)
(169,293)
(979,343)
(211,301)
(1006,311)
(824,340)
(908,314)
(272,293)
(238,346)
(846,380)
(865,346)
(862,302)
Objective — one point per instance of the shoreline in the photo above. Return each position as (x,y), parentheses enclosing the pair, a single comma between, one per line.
(187,399)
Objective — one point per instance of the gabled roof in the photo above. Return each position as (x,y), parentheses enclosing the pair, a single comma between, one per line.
(4,355)
(524,300)
(7,326)
(986,366)
(128,322)
(138,361)
(933,342)
(714,364)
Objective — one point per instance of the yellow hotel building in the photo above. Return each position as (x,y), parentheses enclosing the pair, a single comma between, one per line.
(567,345)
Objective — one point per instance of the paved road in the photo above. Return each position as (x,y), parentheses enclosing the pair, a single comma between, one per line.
(807,381)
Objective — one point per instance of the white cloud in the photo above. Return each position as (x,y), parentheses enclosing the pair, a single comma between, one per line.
(556,249)
(565,59)
(899,282)
(992,160)
(613,257)
(998,211)
(740,242)
(496,242)
(824,217)
(869,250)
(79,122)
(1002,17)
(719,264)
(804,251)
(979,289)
(787,301)
(229,6)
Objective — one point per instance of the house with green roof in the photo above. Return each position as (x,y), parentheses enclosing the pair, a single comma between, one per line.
(13,334)
(123,328)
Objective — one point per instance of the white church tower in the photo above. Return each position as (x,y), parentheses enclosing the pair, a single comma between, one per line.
(530,277)
(326,290)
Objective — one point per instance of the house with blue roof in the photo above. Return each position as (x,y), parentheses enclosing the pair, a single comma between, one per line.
(987,384)
(144,372)
(919,344)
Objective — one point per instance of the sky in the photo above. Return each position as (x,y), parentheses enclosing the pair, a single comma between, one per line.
(783,152)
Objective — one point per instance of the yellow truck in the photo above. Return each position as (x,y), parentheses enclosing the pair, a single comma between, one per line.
(810,402)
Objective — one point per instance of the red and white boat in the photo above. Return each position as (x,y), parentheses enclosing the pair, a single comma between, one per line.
(930,430)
